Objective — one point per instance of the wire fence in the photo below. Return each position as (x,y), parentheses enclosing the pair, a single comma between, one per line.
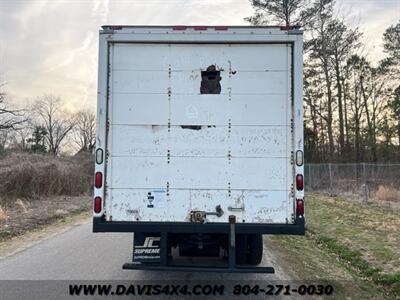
(361,182)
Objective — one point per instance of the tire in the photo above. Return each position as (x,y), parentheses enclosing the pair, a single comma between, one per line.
(241,249)
(255,249)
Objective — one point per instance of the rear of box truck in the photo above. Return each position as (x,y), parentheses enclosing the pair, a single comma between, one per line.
(198,127)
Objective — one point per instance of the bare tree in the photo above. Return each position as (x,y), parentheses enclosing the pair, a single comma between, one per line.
(344,41)
(85,130)
(320,52)
(57,122)
(9,118)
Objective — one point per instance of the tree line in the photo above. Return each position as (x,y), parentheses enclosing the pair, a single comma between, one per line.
(46,126)
(351,105)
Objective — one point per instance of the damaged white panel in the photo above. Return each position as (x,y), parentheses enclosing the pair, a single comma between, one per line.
(140,82)
(139,172)
(259,83)
(258,57)
(259,141)
(259,109)
(209,141)
(173,150)
(267,207)
(145,140)
(124,209)
(141,57)
(199,173)
(247,205)
(200,109)
(249,82)
(259,173)
(140,109)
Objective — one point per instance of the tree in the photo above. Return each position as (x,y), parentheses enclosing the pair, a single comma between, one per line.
(56,121)
(344,41)
(37,140)
(394,106)
(282,12)
(85,130)
(9,118)
(391,45)
(320,51)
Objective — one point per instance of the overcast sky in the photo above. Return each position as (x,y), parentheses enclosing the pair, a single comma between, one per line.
(50,46)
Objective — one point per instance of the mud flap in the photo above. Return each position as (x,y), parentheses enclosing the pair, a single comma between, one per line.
(146,248)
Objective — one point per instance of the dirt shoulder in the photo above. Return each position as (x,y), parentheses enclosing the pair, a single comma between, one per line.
(28,239)
(21,215)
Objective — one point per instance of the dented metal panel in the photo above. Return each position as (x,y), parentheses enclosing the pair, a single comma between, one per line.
(174,150)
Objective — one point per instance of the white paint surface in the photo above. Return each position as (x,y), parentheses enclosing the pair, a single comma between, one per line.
(240,159)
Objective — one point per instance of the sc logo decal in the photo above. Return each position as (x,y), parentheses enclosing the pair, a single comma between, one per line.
(149,242)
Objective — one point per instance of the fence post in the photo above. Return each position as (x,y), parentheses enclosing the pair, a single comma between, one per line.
(330,180)
(365,185)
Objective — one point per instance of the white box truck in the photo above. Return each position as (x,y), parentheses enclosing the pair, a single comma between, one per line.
(199,148)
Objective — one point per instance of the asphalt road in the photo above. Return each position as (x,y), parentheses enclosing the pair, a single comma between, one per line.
(78,254)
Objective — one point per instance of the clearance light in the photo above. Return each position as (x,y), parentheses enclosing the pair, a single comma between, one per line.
(299,158)
(200,27)
(299,207)
(299,182)
(99,156)
(179,27)
(97,205)
(98,180)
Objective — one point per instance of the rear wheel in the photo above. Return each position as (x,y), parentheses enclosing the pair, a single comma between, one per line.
(249,249)
(255,249)
(241,249)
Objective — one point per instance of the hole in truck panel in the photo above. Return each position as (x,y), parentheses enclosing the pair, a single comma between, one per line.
(210,81)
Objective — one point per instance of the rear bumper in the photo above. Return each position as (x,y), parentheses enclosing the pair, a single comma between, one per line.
(101,225)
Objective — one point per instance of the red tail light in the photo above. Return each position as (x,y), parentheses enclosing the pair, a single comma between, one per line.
(97,205)
(98,180)
(179,27)
(299,207)
(299,182)
(200,27)
(221,27)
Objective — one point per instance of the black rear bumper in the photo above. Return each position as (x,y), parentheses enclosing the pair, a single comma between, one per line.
(101,225)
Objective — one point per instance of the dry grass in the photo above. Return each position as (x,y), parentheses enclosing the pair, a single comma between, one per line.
(25,175)
(387,193)
(3,214)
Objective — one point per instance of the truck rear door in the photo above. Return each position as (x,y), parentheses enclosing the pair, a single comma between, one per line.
(197,126)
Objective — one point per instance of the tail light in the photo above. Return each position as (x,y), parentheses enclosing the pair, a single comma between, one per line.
(299,207)
(97,205)
(221,27)
(98,180)
(200,27)
(299,182)
(179,27)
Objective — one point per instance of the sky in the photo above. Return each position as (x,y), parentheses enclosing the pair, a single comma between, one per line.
(50,46)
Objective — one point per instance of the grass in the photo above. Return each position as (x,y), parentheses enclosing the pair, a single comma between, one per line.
(371,232)
(315,265)
(354,244)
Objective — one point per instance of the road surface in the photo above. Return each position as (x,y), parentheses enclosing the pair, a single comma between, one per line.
(79,254)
